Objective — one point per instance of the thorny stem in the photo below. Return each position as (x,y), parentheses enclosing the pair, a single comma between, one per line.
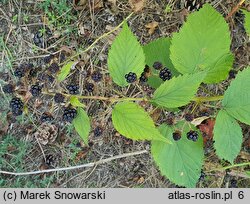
(98,39)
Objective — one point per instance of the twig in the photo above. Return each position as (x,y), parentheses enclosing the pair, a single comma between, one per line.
(235,9)
(75,167)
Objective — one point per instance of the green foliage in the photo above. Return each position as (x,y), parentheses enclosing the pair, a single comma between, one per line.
(178,91)
(237,96)
(133,122)
(126,55)
(82,125)
(64,72)
(203,43)
(74,101)
(181,162)
(227,136)
(158,51)
(247,21)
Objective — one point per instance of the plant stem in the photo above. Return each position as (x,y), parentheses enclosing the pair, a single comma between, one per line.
(98,39)
(208,99)
(231,166)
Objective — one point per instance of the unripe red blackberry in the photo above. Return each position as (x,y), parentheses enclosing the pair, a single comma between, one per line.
(59,98)
(130,77)
(165,74)
(69,114)
(16,106)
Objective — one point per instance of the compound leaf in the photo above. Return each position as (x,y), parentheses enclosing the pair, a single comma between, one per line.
(126,55)
(203,43)
(64,72)
(227,136)
(247,21)
(178,91)
(182,161)
(131,121)
(82,124)
(237,97)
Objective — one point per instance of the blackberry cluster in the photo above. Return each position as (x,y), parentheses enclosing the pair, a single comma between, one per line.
(73,89)
(89,87)
(19,72)
(97,131)
(58,98)
(192,135)
(188,117)
(16,106)
(157,65)
(69,114)
(130,77)
(165,74)
(54,68)
(177,136)
(8,88)
(96,76)
(35,90)
(46,117)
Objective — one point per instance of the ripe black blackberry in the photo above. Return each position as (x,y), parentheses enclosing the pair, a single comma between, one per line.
(46,117)
(41,37)
(19,72)
(54,68)
(89,87)
(58,98)
(202,176)
(69,114)
(35,90)
(73,89)
(49,160)
(130,77)
(146,69)
(192,135)
(16,106)
(47,59)
(165,74)
(98,131)
(62,57)
(232,74)
(143,77)
(8,88)
(233,184)
(32,72)
(177,135)
(157,65)
(188,117)
(96,76)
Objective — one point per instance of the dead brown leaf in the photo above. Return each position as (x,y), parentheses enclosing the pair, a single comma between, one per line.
(152,26)
(137,5)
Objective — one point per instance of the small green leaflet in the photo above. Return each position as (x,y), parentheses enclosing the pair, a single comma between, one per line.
(82,124)
(133,122)
(237,97)
(178,91)
(182,161)
(65,71)
(247,21)
(158,51)
(74,101)
(203,43)
(126,55)
(227,136)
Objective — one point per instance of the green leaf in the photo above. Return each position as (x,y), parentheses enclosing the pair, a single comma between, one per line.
(74,101)
(158,51)
(237,97)
(203,43)
(65,71)
(126,55)
(82,124)
(178,91)
(227,136)
(247,21)
(131,121)
(182,161)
